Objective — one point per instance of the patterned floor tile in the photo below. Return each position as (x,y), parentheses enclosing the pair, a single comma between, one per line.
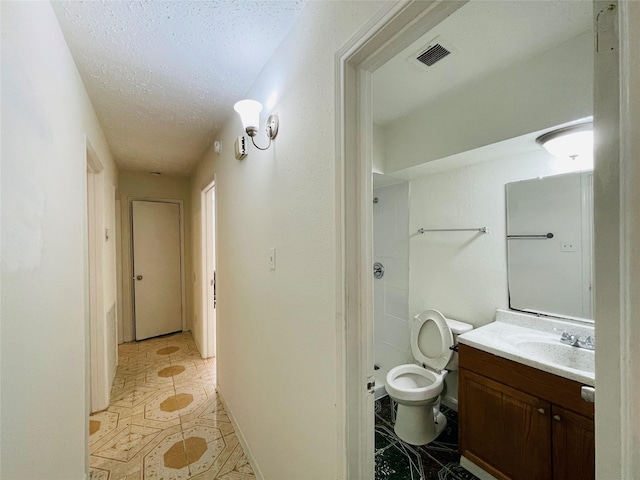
(396,460)
(165,420)
(101,425)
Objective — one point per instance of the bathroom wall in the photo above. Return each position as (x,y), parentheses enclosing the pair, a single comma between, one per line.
(391,292)
(464,274)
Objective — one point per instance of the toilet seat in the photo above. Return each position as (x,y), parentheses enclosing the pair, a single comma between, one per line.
(431,339)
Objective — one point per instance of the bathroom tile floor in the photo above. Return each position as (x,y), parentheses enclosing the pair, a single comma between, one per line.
(165,420)
(396,460)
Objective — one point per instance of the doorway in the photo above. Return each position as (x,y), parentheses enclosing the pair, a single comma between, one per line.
(209,280)
(102,360)
(157,268)
(616,151)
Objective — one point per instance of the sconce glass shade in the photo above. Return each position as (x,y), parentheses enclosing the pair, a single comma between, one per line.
(572,142)
(249,111)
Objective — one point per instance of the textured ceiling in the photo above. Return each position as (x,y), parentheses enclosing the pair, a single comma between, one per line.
(163,75)
(486,36)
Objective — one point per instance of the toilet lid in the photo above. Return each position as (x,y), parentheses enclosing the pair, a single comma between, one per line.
(431,338)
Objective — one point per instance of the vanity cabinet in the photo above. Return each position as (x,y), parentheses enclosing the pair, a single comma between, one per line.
(517,422)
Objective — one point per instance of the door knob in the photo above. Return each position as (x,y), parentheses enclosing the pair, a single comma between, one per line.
(138,277)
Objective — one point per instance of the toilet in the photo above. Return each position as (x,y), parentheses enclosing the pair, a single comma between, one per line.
(416,387)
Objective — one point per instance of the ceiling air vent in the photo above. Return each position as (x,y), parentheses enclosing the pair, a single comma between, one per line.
(433,54)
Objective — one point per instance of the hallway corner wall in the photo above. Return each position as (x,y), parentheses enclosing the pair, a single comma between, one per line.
(279,331)
(47,123)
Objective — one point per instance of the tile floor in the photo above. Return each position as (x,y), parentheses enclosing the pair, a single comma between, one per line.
(165,420)
(396,460)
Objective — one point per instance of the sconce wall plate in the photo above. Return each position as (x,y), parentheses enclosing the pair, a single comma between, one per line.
(241,147)
(272,126)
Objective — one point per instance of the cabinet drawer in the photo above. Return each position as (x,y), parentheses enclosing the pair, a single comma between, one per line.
(552,388)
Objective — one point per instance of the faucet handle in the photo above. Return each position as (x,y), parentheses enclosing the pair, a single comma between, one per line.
(589,343)
(567,337)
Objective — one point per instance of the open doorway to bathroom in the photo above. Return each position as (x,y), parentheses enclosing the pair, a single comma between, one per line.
(455,113)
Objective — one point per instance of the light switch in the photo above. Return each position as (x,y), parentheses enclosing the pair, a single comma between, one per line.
(272,258)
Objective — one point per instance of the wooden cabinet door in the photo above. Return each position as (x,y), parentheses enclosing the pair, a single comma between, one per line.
(503,430)
(573,445)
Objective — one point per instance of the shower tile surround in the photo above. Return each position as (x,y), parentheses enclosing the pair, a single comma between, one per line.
(391,292)
(165,419)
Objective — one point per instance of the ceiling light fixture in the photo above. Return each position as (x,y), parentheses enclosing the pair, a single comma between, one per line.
(249,111)
(575,141)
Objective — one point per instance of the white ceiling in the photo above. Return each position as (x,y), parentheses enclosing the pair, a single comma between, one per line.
(163,75)
(486,36)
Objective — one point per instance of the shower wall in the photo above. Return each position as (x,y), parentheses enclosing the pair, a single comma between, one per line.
(391,292)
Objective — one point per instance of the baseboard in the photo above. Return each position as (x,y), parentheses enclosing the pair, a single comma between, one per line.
(475,469)
(241,437)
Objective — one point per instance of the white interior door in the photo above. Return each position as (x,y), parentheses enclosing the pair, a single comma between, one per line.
(156,268)
(210,329)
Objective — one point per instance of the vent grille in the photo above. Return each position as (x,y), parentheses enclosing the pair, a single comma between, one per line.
(433,54)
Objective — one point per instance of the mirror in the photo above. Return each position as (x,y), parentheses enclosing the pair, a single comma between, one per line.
(549,245)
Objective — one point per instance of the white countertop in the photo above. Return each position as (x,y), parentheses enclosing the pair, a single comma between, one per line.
(502,336)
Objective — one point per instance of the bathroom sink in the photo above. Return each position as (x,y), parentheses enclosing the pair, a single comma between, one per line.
(558,353)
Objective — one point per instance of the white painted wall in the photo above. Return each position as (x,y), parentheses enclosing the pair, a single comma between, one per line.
(539,92)
(391,292)
(45,116)
(378,149)
(464,274)
(277,329)
(141,185)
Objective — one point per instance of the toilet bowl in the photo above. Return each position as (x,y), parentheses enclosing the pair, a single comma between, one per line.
(416,387)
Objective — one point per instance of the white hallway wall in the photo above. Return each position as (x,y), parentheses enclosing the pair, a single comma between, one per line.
(277,331)
(46,114)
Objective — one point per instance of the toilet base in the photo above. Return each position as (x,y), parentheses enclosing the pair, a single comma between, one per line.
(415,424)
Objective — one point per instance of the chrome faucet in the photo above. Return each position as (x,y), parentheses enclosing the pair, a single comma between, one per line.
(569,339)
(588,342)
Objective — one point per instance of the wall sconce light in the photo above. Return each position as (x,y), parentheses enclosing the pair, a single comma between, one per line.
(575,141)
(249,111)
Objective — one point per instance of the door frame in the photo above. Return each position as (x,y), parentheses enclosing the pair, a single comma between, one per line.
(209,338)
(183,307)
(387,34)
(99,380)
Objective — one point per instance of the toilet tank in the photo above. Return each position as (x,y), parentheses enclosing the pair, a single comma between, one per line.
(457,328)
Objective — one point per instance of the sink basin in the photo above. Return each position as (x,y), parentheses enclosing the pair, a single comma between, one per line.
(558,354)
